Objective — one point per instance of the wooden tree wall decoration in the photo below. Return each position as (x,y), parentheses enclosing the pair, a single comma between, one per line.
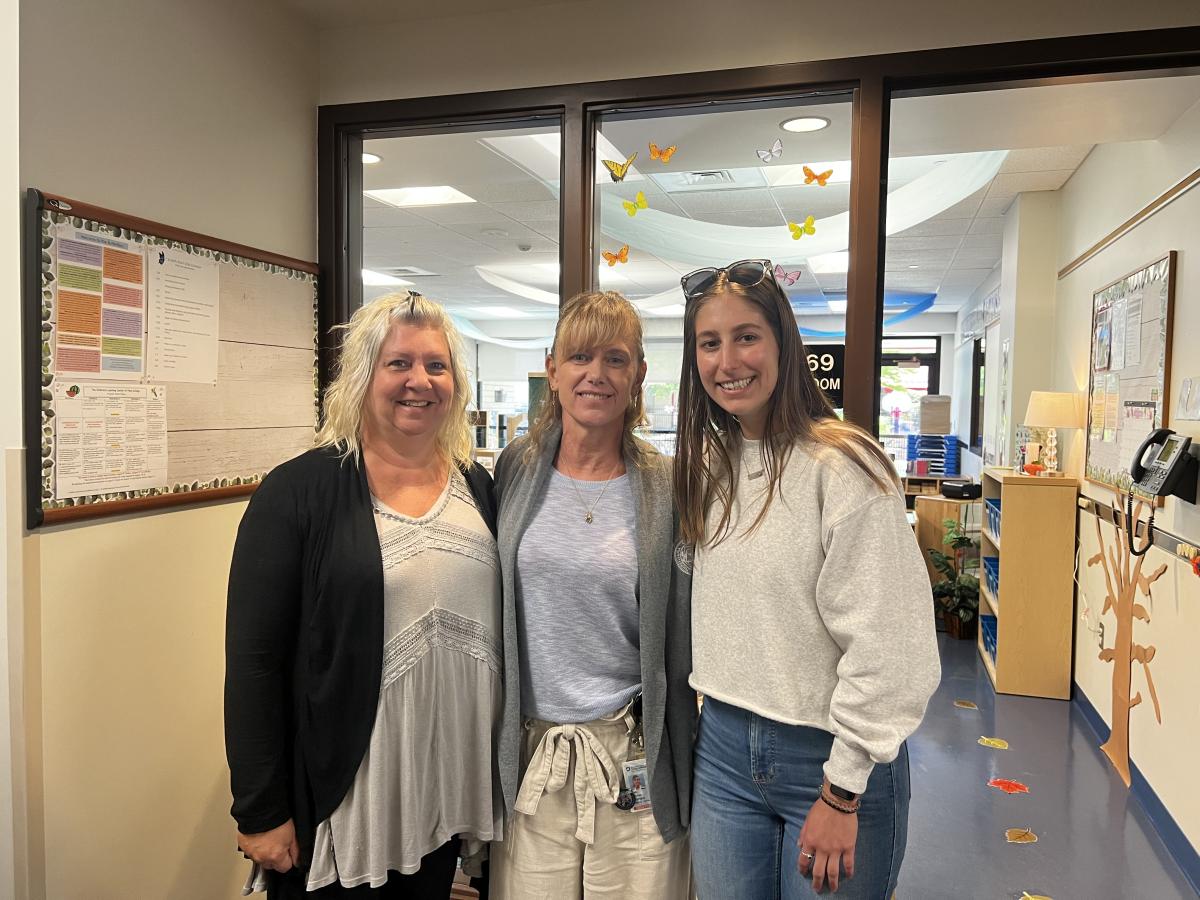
(1124,579)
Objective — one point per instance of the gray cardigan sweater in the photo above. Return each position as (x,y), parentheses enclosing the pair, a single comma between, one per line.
(664,600)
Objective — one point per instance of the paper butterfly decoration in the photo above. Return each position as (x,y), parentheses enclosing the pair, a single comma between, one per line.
(632,206)
(1020,836)
(1025,895)
(663,154)
(621,256)
(819,177)
(994,743)
(965,704)
(617,171)
(786,278)
(773,153)
(808,226)
(1008,786)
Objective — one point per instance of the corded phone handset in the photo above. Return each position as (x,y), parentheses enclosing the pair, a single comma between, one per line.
(1163,466)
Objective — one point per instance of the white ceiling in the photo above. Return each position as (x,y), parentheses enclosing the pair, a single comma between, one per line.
(345,13)
(513,228)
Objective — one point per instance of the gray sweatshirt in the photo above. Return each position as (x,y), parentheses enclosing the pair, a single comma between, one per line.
(824,615)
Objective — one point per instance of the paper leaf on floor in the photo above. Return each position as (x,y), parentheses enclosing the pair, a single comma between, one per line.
(965,704)
(1008,786)
(1020,836)
(994,743)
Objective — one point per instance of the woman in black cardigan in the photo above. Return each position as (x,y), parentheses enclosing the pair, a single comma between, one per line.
(363,673)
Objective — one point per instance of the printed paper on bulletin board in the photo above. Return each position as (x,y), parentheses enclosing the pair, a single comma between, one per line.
(170,369)
(1130,368)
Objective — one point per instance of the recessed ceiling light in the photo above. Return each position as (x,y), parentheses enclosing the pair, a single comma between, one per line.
(440,195)
(369,159)
(914,267)
(379,279)
(805,123)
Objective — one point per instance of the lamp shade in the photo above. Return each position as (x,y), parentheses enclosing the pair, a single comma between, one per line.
(1053,409)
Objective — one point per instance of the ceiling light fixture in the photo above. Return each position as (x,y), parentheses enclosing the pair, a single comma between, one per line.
(441,195)
(804,124)
(371,278)
(369,159)
(914,267)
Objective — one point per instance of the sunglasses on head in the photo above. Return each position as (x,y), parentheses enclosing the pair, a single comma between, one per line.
(746,272)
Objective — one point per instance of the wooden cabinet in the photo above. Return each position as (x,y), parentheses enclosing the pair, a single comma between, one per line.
(1026,582)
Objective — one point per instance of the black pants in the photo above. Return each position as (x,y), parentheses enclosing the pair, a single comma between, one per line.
(431,882)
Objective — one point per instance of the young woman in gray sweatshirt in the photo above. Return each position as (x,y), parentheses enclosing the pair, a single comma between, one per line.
(812,619)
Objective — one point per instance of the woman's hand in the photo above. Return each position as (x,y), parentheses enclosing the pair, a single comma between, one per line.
(275,849)
(827,840)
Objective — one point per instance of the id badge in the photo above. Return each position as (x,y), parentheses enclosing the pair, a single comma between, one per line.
(637,785)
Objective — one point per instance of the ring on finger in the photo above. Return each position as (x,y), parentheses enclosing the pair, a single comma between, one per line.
(807,855)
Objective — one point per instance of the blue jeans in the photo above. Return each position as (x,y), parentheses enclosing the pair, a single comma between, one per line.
(755,780)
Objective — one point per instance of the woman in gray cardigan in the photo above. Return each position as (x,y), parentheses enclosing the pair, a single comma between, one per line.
(597,646)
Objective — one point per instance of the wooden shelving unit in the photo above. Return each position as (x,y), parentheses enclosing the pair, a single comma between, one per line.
(1034,604)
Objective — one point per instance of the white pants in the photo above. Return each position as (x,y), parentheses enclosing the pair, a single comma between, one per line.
(567,840)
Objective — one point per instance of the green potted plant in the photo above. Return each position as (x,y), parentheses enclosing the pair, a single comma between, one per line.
(957,594)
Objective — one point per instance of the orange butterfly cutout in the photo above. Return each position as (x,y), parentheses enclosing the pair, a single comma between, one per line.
(621,256)
(1008,786)
(820,178)
(663,154)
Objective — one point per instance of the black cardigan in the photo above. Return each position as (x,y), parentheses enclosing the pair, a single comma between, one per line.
(304,640)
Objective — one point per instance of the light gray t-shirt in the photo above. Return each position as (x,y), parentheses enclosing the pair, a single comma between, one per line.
(577,604)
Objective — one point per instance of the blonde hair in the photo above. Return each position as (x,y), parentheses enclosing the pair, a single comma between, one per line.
(589,320)
(364,336)
(798,410)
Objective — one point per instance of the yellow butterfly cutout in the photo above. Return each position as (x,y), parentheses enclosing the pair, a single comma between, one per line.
(632,206)
(664,154)
(621,256)
(1025,895)
(1020,836)
(820,178)
(616,170)
(808,226)
(994,743)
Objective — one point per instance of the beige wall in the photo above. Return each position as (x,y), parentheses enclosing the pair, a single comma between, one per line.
(201,115)
(1114,182)
(542,44)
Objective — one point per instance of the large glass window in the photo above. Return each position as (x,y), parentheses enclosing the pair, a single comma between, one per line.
(682,188)
(470,218)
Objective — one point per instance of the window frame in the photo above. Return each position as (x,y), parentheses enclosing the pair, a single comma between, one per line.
(874,80)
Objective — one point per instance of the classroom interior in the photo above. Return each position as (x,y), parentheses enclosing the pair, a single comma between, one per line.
(1016,296)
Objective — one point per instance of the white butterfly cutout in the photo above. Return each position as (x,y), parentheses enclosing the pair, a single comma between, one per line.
(774,153)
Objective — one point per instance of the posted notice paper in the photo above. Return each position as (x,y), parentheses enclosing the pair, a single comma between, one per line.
(109,438)
(100,308)
(184,291)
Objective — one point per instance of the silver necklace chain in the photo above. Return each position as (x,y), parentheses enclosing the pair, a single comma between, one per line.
(588,516)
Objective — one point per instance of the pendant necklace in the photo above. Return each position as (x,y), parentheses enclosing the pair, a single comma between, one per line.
(587,513)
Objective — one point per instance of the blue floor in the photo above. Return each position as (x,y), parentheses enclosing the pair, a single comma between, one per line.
(1094,840)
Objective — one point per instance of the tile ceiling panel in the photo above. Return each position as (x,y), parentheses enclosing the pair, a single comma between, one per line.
(907,243)
(819,207)
(521,211)
(1045,159)
(383,216)
(516,235)
(991,242)
(461,214)
(987,226)
(545,227)
(936,227)
(1007,185)
(965,208)
(524,191)
(991,209)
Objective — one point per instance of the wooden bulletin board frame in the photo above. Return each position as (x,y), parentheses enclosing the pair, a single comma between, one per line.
(43,212)
(1144,384)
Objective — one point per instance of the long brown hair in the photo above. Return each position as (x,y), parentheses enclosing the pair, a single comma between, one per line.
(798,410)
(588,320)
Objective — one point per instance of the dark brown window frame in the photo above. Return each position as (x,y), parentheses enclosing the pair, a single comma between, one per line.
(978,386)
(874,80)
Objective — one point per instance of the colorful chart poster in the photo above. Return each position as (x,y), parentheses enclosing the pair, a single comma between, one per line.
(1112,406)
(1098,406)
(184,303)
(101,305)
(109,438)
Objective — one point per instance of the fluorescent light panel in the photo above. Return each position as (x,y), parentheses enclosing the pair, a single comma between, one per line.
(441,195)
(371,278)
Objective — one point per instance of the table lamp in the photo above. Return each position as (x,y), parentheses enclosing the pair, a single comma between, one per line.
(1053,410)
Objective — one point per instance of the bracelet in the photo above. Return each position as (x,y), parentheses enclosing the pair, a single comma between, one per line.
(846,807)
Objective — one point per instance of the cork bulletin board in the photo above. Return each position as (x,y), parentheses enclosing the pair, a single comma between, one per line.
(162,367)
(1130,368)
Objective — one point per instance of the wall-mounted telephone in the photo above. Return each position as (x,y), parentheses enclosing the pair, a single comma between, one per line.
(1163,466)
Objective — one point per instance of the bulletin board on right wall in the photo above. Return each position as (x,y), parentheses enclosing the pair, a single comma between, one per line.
(1130,368)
